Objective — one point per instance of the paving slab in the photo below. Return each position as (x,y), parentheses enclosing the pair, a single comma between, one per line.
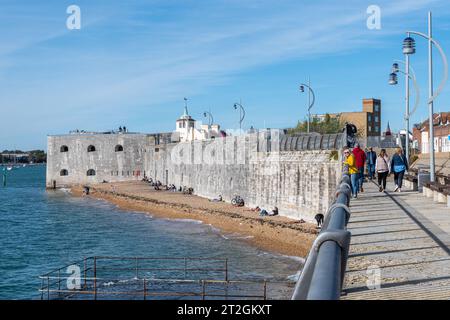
(400,247)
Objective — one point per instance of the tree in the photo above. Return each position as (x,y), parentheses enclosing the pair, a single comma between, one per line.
(328,125)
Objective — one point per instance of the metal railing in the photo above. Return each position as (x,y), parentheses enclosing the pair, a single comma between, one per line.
(323,273)
(152,278)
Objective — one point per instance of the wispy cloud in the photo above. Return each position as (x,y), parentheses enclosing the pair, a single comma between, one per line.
(133,54)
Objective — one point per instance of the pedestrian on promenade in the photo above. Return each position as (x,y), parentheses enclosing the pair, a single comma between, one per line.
(399,164)
(371,162)
(350,169)
(360,160)
(382,167)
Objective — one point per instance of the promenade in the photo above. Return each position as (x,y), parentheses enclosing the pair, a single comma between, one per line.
(407,237)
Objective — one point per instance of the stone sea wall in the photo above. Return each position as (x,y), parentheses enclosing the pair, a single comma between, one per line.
(300,183)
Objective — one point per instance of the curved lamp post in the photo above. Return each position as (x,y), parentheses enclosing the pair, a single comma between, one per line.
(211,119)
(241,114)
(408,113)
(409,48)
(311,103)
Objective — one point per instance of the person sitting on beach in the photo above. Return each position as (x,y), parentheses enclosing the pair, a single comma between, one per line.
(263,212)
(157,188)
(218,199)
(274,212)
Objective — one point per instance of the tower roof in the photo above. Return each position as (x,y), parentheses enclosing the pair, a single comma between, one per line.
(388,130)
(185,115)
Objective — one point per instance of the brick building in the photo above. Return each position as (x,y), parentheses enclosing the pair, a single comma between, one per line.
(367,121)
(441,125)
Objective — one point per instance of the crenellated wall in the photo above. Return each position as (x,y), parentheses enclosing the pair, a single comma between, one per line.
(299,183)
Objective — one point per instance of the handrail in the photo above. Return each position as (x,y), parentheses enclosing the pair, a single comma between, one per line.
(323,273)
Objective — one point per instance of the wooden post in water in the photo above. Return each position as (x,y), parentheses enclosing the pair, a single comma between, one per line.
(4,176)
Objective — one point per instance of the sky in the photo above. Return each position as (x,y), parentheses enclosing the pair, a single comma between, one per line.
(132,63)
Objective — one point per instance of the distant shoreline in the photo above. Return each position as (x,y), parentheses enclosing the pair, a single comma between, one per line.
(276,234)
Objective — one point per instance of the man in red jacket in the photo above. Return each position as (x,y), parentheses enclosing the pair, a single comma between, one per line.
(360,160)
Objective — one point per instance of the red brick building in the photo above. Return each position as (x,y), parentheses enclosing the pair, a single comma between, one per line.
(441,125)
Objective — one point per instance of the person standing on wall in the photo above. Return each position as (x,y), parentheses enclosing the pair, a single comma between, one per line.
(360,160)
(399,164)
(349,168)
(382,167)
(371,162)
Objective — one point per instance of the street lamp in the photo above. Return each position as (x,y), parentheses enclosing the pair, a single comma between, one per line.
(393,81)
(409,48)
(208,114)
(241,114)
(311,103)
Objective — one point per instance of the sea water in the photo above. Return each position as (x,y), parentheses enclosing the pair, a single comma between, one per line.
(41,230)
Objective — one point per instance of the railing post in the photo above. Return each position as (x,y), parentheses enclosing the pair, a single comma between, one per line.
(145,289)
(59,281)
(265,289)
(48,288)
(95,278)
(226,269)
(203,289)
(84,271)
(137,268)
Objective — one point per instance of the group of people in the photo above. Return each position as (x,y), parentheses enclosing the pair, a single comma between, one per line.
(170,187)
(354,165)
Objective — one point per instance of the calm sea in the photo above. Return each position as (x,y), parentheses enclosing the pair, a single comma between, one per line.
(41,230)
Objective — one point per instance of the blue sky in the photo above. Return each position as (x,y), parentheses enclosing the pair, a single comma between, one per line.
(133,62)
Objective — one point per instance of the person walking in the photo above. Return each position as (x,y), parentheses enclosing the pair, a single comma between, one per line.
(350,169)
(371,162)
(382,168)
(360,160)
(399,164)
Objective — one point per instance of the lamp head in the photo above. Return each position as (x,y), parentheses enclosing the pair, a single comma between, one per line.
(409,46)
(302,88)
(395,68)
(393,79)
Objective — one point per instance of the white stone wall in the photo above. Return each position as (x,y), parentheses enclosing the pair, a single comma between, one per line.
(108,164)
(300,183)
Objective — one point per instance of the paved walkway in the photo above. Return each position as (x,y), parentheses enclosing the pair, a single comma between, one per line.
(405,237)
